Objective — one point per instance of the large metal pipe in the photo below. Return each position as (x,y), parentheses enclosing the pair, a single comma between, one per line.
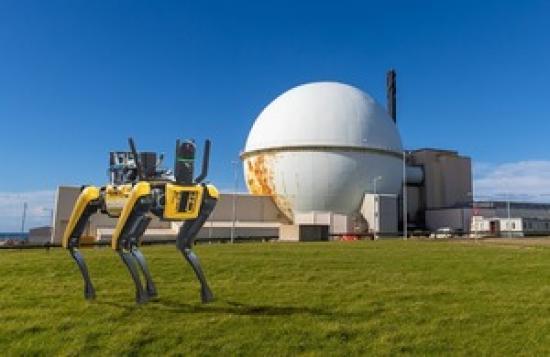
(415,175)
(391,89)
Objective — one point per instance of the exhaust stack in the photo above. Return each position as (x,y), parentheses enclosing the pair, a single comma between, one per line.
(391,89)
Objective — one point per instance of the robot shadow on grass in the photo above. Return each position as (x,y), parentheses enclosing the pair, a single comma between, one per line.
(236,308)
(228,307)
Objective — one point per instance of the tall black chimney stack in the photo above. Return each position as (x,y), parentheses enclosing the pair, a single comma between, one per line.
(391,89)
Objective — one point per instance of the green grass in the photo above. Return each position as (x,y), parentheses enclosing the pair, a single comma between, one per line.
(381,297)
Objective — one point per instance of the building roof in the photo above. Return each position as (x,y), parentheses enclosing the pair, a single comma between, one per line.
(443,151)
(513,204)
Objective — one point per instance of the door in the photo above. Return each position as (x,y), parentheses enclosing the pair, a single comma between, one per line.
(494,227)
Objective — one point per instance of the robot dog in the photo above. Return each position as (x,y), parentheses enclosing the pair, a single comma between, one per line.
(137,189)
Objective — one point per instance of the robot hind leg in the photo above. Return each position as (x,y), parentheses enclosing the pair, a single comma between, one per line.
(86,205)
(149,284)
(132,265)
(127,247)
(185,241)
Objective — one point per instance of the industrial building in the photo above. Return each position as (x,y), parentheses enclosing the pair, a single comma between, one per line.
(508,227)
(40,235)
(325,159)
(476,218)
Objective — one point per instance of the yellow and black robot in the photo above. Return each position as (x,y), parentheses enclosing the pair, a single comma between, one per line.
(139,188)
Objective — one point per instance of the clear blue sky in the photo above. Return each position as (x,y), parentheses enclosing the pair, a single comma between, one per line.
(78,77)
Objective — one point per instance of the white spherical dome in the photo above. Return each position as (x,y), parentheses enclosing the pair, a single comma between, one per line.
(320,147)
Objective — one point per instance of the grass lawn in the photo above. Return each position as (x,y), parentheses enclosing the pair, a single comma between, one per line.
(375,297)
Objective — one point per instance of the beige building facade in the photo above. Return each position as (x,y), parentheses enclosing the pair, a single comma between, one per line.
(255,216)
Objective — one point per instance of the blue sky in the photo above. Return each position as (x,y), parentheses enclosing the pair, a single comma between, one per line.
(78,77)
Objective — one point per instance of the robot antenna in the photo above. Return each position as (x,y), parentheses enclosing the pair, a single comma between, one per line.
(205,162)
(136,158)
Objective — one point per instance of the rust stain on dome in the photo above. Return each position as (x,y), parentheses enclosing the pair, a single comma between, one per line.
(260,180)
(259,176)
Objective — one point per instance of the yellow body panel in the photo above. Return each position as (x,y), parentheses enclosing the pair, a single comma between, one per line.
(139,190)
(115,198)
(87,195)
(172,202)
(213,191)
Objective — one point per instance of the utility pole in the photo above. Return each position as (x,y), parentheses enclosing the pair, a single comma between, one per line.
(508,225)
(405,223)
(234,203)
(508,214)
(50,210)
(24,217)
(376,205)
(374,182)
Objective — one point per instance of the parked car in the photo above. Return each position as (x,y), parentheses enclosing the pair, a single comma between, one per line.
(443,233)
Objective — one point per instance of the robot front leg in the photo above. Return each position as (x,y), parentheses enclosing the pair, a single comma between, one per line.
(185,241)
(89,291)
(130,227)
